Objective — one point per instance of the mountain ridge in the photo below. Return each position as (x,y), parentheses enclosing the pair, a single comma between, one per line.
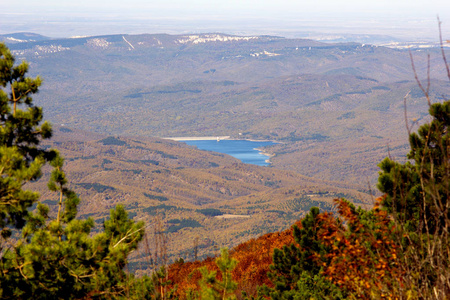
(267,88)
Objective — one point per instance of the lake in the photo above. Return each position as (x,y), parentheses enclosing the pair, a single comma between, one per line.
(245,151)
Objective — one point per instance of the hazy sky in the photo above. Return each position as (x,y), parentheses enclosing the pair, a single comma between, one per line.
(94,16)
(225,6)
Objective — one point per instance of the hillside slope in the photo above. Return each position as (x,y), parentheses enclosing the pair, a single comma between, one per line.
(326,102)
(195,194)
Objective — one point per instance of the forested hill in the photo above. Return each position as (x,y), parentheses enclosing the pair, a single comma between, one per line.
(194,193)
(260,87)
(335,112)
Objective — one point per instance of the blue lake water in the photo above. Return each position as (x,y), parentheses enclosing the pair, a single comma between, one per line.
(240,149)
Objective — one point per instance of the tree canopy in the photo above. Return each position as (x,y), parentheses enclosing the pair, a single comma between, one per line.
(43,256)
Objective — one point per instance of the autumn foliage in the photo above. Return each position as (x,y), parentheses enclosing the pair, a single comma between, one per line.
(362,257)
(353,253)
(254,259)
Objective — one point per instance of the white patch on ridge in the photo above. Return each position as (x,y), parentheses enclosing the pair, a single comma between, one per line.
(98,43)
(197,39)
(40,50)
(264,53)
(17,40)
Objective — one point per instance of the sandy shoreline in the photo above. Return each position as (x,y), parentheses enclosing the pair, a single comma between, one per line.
(197,138)
(213,138)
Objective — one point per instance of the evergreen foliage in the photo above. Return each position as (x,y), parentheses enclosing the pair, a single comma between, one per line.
(20,134)
(110,140)
(45,257)
(399,249)
(210,212)
(417,192)
(417,196)
(211,288)
(156,197)
(184,223)
(294,273)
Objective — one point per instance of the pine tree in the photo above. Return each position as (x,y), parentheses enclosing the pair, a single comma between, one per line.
(417,194)
(212,288)
(20,134)
(226,264)
(295,272)
(52,258)
(418,191)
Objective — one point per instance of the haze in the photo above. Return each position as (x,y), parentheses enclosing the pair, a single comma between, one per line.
(409,20)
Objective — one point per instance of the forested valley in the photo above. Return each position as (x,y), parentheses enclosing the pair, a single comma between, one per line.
(127,215)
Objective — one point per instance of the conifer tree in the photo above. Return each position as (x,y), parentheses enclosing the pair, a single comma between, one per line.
(52,257)
(212,288)
(418,191)
(417,194)
(20,134)
(295,272)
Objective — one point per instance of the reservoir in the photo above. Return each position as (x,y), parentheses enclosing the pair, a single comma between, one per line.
(245,151)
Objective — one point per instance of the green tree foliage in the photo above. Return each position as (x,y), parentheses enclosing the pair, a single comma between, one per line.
(61,261)
(20,134)
(211,288)
(295,273)
(45,257)
(418,191)
(417,196)
(398,249)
